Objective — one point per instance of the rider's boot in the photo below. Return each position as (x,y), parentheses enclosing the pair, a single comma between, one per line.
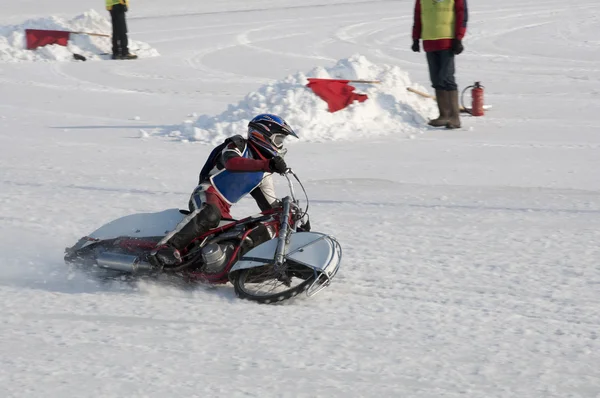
(166,255)
(195,224)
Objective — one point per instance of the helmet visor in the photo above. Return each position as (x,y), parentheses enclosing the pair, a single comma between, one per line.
(277,140)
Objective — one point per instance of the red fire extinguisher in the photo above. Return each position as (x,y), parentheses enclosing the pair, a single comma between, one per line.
(476,99)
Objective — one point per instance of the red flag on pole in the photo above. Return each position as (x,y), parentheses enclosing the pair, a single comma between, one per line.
(39,38)
(336,92)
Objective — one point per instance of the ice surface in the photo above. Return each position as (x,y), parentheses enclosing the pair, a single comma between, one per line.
(471,257)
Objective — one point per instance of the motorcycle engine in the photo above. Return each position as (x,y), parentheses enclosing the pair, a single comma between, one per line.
(216,256)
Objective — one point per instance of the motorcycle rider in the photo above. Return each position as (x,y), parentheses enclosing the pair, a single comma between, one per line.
(237,167)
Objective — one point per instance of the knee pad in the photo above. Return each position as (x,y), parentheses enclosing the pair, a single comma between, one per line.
(211,215)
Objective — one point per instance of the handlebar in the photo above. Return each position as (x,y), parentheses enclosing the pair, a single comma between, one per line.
(288,202)
(290,183)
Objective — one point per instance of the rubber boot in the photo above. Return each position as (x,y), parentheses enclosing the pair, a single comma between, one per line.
(129,56)
(454,121)
(443,102)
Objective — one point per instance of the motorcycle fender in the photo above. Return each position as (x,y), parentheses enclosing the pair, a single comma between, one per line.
(313,249)
(138,225)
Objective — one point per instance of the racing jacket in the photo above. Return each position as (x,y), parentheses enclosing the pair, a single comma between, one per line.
(234,171)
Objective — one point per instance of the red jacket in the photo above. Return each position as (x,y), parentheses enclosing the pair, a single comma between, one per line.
(462,16)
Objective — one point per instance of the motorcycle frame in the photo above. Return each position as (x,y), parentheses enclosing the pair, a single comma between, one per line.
(282,226)
(223,276)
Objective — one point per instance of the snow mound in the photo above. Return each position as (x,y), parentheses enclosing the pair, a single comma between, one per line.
(13,46)
(390,109)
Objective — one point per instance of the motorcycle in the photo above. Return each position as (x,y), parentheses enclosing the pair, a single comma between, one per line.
(269,257)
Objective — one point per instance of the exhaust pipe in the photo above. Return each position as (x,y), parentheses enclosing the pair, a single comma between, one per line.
(122,262)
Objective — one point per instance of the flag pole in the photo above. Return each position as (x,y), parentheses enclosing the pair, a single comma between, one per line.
(345,80)
(365,81)
(90,34)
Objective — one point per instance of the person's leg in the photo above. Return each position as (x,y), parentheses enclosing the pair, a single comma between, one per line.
(116,51)
(448,84)
(446,70)
(194,225)
(205,213)
(206,193)
(123,38)
(435,64)
(123,32)
(120,30)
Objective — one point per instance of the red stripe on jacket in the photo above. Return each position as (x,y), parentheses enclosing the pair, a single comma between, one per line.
(461,16)
(239,163)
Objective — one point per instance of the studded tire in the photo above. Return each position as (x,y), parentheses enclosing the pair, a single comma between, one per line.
(241,292)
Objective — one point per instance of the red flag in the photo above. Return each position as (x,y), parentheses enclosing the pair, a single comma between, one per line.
(337,93)
(39,38)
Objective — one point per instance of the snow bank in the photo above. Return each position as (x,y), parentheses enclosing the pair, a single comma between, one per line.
(13,45)
(390,109)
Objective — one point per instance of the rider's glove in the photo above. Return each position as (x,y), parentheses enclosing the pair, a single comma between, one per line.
(305,227)
(277,165)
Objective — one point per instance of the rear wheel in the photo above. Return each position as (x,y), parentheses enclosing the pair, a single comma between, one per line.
(266,285)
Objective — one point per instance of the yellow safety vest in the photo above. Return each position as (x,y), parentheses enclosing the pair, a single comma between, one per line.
(437,19)
(111,3)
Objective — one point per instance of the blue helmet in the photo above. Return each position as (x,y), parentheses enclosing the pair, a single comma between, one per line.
(266,132)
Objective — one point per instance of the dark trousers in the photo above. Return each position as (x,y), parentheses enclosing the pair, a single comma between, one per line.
(441,70)
(119,30)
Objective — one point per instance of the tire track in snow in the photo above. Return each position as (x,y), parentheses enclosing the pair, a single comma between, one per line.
(195,61)
(64,87)
(469,298)
(93,188)
(243,40)
(326,202)
(555,16)
(328,182)
(75,115)
(262,10)
(85,84)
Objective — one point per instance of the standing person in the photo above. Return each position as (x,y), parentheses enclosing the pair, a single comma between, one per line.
(441,24)
(117,9)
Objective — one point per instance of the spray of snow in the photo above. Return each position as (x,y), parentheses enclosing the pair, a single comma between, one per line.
(13,44)
(390,109)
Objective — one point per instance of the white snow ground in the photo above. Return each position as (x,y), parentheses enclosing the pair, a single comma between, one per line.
(472,264)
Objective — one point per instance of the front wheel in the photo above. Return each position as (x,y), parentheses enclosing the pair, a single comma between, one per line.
(267,285)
